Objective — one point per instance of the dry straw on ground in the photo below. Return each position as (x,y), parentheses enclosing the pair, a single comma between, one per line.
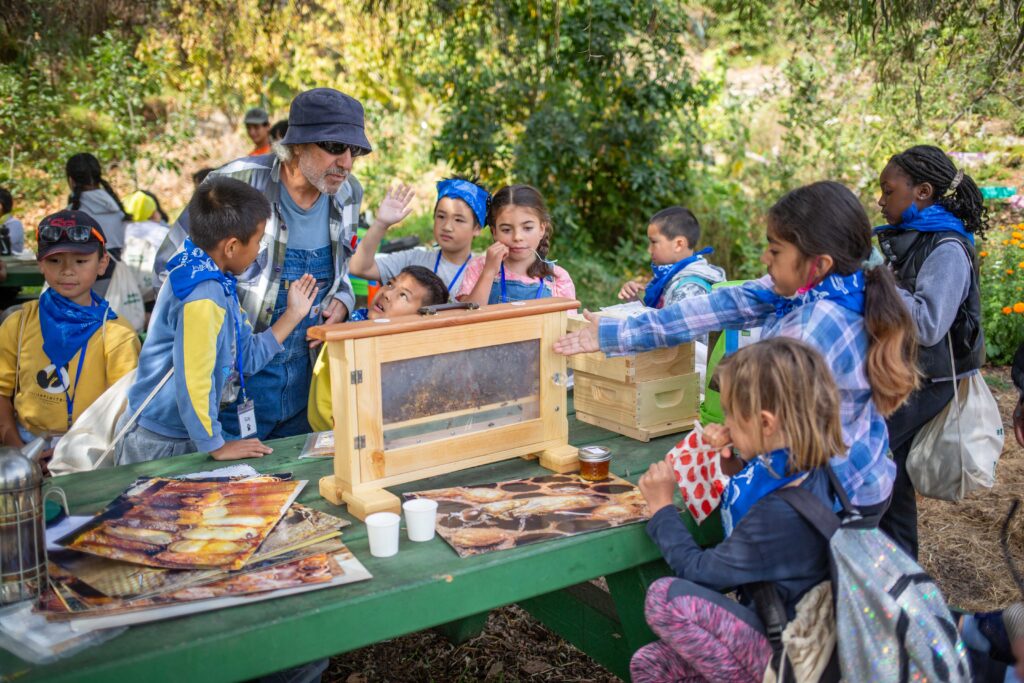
(959,547)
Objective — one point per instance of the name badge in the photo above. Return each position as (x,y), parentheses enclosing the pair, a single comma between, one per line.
(247,419)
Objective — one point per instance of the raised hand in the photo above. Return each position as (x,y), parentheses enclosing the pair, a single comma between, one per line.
(631,290)
(395,206)
(301,295)
(658,485)
(494,256)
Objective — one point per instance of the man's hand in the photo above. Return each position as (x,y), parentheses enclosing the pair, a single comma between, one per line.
(631,290)
(394,208)
(581,341)
(658,485)
(238,450)
(333,312)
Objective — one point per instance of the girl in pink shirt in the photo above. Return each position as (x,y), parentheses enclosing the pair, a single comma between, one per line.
(516,267)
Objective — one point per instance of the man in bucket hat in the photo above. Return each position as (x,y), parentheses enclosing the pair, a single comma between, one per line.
(316,201)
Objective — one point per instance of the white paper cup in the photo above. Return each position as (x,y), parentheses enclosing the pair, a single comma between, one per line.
(382,528)
(420,514)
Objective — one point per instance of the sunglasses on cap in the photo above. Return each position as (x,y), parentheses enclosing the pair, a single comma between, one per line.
(74,233)
(339,148)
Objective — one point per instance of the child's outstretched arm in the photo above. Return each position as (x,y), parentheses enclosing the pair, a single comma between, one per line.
(393,209)
(301,295)
(493,258)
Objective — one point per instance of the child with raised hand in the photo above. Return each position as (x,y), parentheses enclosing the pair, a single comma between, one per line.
(677,271)
(460,212)
(412,289)
(782,417)
(200,341)
(516,266)
(60,353)
(933,212)
(824,286)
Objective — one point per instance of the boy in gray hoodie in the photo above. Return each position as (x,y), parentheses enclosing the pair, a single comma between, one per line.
(677,272)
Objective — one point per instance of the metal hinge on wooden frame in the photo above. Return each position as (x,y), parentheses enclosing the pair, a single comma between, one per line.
(359,442)
(356,377)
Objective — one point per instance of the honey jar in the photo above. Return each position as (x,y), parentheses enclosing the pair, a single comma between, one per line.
(594,462)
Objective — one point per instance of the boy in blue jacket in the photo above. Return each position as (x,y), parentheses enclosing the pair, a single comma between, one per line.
(200,343)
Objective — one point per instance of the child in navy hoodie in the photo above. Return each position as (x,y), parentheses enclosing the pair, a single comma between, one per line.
(782,418)
(200,343)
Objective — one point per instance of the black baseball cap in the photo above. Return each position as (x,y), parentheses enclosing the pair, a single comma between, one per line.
(326,115)
(256,116)
(69,231)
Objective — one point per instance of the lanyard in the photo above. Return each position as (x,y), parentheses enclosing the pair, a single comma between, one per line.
(504,292)
(238,346)
(455,279)
(70,400)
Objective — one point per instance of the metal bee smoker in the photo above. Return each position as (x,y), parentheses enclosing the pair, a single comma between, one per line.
(23,523)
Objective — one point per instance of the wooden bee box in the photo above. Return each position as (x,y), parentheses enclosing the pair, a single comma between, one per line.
(420,396)
(640,406)
(636,367)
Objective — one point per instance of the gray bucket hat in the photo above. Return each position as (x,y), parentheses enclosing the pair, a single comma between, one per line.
(326,115)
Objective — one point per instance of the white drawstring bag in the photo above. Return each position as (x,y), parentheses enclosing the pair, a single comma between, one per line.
(125,297)
(957,451)
(90,442)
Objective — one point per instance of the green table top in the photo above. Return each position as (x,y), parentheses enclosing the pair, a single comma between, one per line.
(21,273)
(425,585)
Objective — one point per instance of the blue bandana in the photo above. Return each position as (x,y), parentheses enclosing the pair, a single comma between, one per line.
(67,326)
(471,193)
(189,267)
(761,476)
(845,290)
(359,315)
(664,274)
(934,218)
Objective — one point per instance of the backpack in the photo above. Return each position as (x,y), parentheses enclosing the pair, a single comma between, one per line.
(892,622)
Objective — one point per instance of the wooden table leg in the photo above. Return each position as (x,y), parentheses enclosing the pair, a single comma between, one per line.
(629,590)
(459,631)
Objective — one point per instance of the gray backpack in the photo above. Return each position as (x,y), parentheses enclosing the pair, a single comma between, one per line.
(892,623)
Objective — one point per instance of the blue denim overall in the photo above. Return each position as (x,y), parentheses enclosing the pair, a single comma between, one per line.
(281,389)
(518,291)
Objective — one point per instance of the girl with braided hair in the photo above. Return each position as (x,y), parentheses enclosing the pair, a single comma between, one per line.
(933,212)
(516,266)
(91,193)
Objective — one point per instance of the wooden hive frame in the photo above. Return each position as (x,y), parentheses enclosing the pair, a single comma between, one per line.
(363,467)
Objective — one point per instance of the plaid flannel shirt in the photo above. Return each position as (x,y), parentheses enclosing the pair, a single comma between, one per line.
(865,471)
(258,286)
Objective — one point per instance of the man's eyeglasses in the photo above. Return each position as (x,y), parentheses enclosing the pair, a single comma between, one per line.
(339,148)
(74,233)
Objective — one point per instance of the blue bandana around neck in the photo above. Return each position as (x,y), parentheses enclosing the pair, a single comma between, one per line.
(471,193)
(67,326)
(934,218)
(188,268)
(845,290)
(664,274)
(761,476)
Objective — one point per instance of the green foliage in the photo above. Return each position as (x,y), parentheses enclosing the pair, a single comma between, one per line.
(592,103)
(1002,287)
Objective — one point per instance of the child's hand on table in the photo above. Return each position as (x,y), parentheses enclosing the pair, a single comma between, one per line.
(718,437)
(631,290)
(394,208)
(584,340)
(658,485)
(238,450)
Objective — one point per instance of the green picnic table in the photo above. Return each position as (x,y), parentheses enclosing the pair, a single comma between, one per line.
(427,585)
(20,274)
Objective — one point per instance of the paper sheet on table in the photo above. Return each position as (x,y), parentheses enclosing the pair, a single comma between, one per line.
(30,636)
(626,310)
(63,528)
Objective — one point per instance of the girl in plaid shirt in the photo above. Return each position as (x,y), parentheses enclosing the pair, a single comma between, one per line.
(825,288)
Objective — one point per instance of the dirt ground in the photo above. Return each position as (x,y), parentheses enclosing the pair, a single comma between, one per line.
(959,547)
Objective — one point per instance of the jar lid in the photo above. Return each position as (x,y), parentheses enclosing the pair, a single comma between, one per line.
(595,454)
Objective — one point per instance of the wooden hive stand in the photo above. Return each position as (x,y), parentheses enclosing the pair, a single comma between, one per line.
(420,396)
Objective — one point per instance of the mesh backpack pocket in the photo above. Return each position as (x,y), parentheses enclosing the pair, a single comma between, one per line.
(892,623)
